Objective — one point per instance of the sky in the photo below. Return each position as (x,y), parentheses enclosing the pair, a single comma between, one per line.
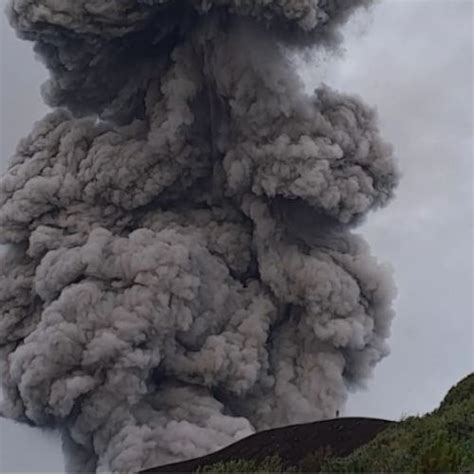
(413,60)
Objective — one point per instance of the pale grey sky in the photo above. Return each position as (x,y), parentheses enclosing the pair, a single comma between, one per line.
(413,59)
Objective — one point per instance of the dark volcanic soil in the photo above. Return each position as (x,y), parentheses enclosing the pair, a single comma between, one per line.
(291,443)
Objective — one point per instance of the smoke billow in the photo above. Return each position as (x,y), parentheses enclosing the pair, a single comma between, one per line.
(181,270)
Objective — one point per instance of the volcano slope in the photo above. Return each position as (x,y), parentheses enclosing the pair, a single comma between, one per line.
(291,444)
(441,441)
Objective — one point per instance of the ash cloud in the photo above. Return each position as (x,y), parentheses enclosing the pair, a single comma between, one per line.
(181,268)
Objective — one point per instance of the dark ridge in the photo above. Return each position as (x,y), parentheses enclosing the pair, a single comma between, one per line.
(291,443)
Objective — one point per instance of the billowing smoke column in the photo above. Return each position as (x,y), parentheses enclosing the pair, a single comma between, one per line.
(181,270)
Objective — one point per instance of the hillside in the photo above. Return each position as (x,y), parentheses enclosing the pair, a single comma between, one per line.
(442,441)
(291,443)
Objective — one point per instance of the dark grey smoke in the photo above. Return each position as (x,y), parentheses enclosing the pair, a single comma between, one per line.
(181,270)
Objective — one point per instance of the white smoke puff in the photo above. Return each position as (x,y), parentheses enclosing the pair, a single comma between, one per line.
(283,145)
(336,325)
(67,161)
(182,272)
(94,340)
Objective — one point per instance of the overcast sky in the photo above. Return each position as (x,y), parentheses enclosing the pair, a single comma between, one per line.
(413,60)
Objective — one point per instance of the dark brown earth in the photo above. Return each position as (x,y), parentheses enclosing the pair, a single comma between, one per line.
(291,443)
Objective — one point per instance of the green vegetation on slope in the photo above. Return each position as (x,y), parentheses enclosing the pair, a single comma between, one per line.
(442,441)
(461,392)
(272,464)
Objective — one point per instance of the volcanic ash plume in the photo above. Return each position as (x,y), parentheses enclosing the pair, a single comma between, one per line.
(180,268)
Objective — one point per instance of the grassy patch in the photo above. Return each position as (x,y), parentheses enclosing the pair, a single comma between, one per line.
(272,464)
